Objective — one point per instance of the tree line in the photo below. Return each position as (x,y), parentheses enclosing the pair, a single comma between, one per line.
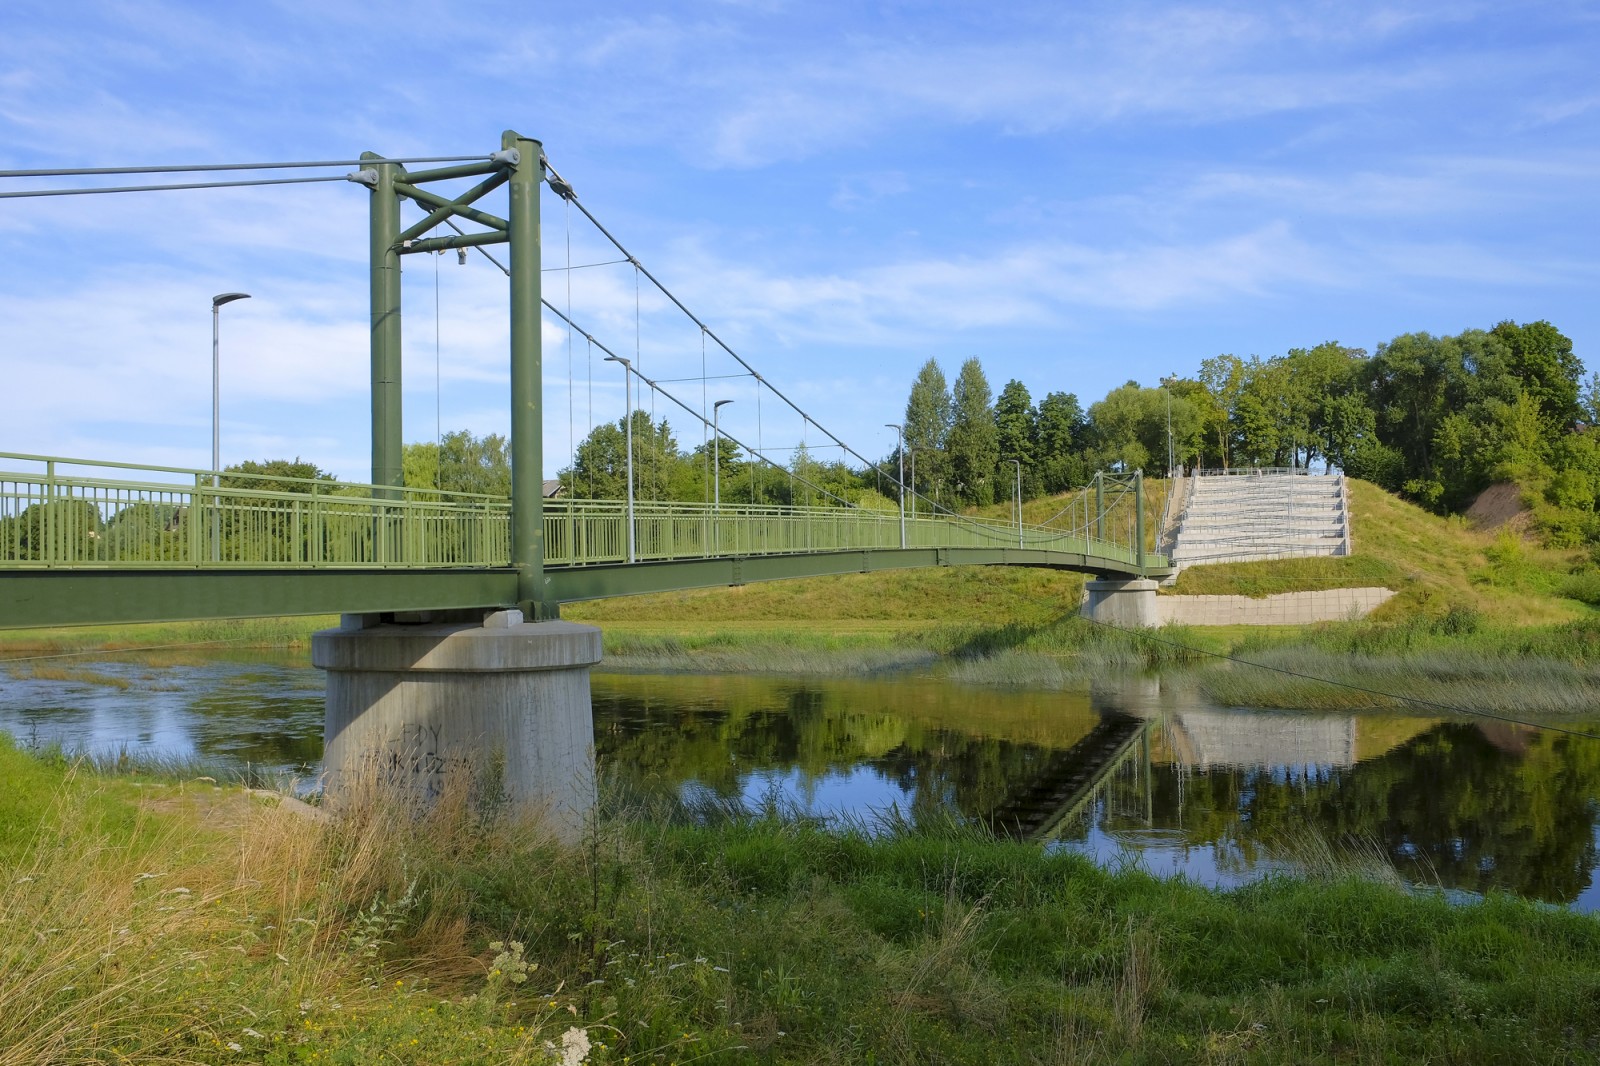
(1433,418)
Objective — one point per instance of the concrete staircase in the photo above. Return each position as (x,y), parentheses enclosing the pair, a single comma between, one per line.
(1244,516)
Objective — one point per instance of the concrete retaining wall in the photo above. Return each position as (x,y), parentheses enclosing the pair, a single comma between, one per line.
(1285,609)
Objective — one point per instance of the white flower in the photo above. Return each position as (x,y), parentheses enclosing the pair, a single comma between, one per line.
(574,1046)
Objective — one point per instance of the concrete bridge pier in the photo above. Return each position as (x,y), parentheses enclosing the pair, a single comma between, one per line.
(500,705)
(1127,603)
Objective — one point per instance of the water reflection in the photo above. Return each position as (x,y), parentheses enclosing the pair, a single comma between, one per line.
(257,710)
(1125,771)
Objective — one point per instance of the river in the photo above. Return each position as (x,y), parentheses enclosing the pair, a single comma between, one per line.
(1129,770)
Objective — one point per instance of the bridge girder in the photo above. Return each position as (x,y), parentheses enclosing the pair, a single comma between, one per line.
(35,598)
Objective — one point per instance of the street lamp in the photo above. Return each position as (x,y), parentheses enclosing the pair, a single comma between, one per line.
(913,452)
(627,403)
(1167,388)
(716,453)
(216,415)
(900,453)
(1018,464)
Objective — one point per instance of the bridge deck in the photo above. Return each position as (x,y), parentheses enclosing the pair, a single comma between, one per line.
(84,542)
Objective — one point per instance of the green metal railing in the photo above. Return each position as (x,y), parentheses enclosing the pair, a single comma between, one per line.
(73,513)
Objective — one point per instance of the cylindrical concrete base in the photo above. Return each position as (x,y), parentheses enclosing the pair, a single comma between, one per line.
(1127,603)
(505,711)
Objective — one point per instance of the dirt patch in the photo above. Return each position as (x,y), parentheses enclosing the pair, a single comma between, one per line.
(1499,505)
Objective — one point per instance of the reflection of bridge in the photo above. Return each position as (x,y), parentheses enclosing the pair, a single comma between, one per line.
(1070,779)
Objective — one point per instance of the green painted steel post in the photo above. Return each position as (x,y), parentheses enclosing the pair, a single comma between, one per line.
(527,356)
(1138,521)
(47,521)
(1099,505)
(387,443)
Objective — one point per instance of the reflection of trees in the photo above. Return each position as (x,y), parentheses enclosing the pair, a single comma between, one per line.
(809,729)
(242,723)
(1518,816)
(1474,816)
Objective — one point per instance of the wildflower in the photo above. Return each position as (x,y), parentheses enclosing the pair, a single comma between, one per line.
(232,1046)
(574,1046)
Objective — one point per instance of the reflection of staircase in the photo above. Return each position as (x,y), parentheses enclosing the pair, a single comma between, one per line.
(1067,779)
(1243,516)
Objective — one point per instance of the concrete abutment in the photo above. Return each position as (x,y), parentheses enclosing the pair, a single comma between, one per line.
(1127,603)
(505,703)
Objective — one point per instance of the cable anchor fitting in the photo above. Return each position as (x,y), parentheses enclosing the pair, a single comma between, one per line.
(367,176)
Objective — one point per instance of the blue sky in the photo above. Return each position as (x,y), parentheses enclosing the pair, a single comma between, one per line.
(1077,193)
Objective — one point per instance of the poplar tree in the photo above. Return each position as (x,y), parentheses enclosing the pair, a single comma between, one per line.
(1016,427)
(974,443)
(927,427)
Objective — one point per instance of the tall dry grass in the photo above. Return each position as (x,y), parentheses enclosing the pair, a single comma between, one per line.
(204,923)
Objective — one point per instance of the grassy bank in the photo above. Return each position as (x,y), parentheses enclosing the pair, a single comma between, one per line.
(237,632)
(190,923)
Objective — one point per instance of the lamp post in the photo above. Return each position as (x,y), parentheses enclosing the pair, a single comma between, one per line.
(900,453)
(627,402)
(716,452)
(1018,464)
(913,482)
(216,413)
(1168,390)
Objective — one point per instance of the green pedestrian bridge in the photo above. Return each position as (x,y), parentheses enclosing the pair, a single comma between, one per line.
(85,542)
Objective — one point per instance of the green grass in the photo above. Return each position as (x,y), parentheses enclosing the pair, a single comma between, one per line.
(294,632)
(189,923)
(1289,575)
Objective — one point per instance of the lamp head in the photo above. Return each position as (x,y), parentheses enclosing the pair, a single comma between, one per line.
(619,359)
(227,298)
(719,403)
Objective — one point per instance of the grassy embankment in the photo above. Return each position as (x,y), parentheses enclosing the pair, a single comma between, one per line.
(1479,620)
(143,921)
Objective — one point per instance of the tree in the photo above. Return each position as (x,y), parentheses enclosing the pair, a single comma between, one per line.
(1060,429)
(460,462)
(600,469)
(1540,357)
(1016,426)
(974,445)
(927,427)
(1412,383)
(1223,376)
(1130,427)
(273,475)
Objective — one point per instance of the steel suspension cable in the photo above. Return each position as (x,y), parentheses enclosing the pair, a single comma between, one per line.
(640,268)
(166,188)
(438,402)
(706,331)
(75,172)
(572,442)
(657,387)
